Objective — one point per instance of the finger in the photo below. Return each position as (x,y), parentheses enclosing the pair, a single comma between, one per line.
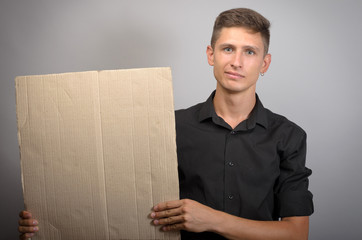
(167,205)
(169,220)
(23,229)
(28,222)
(174,227)
(166,213)
(25,214)
(26,236)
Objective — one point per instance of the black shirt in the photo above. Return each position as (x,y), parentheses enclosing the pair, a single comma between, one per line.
(255,171)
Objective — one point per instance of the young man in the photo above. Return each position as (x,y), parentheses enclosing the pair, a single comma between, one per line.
(241,167)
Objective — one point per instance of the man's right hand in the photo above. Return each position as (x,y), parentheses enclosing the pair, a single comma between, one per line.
(28,226)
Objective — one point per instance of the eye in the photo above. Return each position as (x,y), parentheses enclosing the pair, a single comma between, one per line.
(228,49)
(250,52)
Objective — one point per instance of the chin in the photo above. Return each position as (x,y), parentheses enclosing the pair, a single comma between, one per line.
(233,87)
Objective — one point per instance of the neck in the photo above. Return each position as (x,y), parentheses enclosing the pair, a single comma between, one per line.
(234,107)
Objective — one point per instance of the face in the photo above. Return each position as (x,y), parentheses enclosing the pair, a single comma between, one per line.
(238,59)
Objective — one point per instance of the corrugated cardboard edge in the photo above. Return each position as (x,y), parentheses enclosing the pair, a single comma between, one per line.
(18,133)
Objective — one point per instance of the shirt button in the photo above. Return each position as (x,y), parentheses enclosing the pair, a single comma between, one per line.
(231,197)
(231,164)
(233,132)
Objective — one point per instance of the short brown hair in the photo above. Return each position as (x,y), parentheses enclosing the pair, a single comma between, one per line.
(242,17)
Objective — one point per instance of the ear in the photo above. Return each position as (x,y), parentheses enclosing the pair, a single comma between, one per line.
(210,55)
(266,63)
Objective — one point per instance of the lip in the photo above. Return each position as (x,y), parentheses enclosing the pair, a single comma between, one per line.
(234,75)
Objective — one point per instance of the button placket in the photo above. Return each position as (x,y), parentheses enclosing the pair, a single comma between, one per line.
(229,171)
(231,163)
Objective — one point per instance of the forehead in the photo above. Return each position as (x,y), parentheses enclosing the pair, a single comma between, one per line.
(239,36)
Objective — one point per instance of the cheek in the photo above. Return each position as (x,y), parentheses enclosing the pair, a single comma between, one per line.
(218,70)
(217,64)
(222,64)
(254,66)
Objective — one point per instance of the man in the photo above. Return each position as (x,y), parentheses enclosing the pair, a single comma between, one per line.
(241,167)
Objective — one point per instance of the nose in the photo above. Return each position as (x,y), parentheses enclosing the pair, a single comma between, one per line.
(236,61)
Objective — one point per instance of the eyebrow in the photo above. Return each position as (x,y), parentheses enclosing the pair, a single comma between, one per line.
(252,47)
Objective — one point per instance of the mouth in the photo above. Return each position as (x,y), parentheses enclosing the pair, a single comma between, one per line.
(234,75)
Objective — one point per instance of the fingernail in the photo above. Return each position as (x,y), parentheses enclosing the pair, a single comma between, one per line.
(35,222)
(155,208)
(153,215)
(155,222)
(35,228)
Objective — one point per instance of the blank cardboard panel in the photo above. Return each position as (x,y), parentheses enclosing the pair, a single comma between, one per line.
(98,151)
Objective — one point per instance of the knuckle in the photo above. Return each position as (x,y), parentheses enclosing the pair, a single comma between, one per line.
(184,226)
(23,222)
(173,227)
(184,218)
(23,229)
(184,209)
(22,214)
(168,212)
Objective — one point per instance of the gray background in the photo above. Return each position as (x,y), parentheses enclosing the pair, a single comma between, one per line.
(314,78)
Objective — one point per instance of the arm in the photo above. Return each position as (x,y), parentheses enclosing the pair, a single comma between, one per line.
(233,227)
(192,216)
(27,225)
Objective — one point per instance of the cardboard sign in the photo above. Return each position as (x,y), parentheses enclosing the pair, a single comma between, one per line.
(98,151)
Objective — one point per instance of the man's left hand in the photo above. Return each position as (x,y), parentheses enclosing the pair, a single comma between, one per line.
(183,214)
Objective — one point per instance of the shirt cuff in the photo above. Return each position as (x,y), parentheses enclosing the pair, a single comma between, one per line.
(295,203)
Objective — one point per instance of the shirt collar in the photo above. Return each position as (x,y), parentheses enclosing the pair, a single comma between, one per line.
(257,116)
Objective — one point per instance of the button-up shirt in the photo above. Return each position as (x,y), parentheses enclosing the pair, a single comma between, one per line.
(255,171)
